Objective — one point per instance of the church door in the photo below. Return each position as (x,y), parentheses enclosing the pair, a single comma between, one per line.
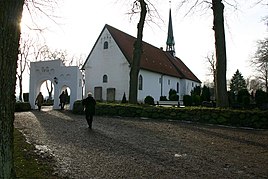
(98,93)
(110,94)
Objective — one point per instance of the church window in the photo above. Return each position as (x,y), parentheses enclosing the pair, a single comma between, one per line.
(105,45)
(140,84)
(105,79)
(168,82)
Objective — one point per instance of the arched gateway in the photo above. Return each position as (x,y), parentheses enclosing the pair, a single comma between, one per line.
(61,77)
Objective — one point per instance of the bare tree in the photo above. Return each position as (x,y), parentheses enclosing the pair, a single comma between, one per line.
(253,84)
(10,17)
(135,65)
(260,61)
(220,46)
(212,69)
(26,45)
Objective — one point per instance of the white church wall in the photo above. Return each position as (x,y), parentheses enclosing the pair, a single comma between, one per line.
(150,86)
(170,82)
(189,86)
(156,85)
(110,62)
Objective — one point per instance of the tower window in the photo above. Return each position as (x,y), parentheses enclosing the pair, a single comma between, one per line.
(105,45)
(105,79)
(140,84)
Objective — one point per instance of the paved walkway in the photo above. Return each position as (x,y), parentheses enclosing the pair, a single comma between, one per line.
(143,148)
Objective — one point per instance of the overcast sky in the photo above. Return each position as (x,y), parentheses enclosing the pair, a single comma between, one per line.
(83,20)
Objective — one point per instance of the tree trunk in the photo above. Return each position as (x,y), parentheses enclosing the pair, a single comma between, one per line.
(20,86)
(266,77)
(135,65)
(220,46)
(10,17)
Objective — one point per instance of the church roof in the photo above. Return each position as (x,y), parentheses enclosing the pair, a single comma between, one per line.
(153,59)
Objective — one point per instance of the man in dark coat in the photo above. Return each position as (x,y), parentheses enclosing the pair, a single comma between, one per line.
(89,104)
(63,98)
(39,100)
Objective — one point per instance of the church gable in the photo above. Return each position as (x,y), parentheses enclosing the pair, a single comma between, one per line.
(105,52)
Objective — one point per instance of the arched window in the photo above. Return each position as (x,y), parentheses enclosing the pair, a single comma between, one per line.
(140,82)
(105,45)
(178,87)
(105,79)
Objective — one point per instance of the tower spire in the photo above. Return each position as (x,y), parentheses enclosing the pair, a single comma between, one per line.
(170,38)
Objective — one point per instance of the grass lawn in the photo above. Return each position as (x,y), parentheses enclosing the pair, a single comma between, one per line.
(27,163)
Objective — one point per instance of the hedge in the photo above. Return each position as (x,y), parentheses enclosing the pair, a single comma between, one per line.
(238,118)
(22,106)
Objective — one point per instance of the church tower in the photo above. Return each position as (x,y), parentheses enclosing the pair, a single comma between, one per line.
(170,38)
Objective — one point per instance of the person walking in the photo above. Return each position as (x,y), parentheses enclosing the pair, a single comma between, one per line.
(39,100)
(89,103)
(63,98)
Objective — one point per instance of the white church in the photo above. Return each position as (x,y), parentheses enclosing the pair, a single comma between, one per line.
(107,68)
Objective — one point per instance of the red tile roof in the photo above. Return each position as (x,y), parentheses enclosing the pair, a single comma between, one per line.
(153,59)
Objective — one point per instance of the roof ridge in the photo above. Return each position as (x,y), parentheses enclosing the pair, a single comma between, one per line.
(153,59)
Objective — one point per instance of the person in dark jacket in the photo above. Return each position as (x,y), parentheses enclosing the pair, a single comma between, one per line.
(39,101)
(89,103)
(63,98)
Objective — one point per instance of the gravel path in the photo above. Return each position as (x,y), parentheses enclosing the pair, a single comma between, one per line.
(145,148)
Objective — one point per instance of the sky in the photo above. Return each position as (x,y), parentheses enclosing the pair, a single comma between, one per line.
(81,22)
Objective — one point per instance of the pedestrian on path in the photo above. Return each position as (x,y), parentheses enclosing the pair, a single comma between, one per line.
(63,98)
(89,103)
(39,100)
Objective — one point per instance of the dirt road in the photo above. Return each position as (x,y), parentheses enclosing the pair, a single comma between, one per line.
(144,148)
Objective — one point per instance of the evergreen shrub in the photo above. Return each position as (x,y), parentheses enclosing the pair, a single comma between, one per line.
(78,107)
(173,95)
(163,98)
(124,99)
(25,97)
(149,100)
(187,100)
(22,106)
(261,98)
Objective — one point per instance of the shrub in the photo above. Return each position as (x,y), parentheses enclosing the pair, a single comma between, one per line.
(25,97)
(78,107)
(149,100)
(196,100)
(261,98)
(173,95)
(48,102)
(163,98)
(205,95)
(241,94)
(196,91)
(22,106)
(124,99)
(187,100)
